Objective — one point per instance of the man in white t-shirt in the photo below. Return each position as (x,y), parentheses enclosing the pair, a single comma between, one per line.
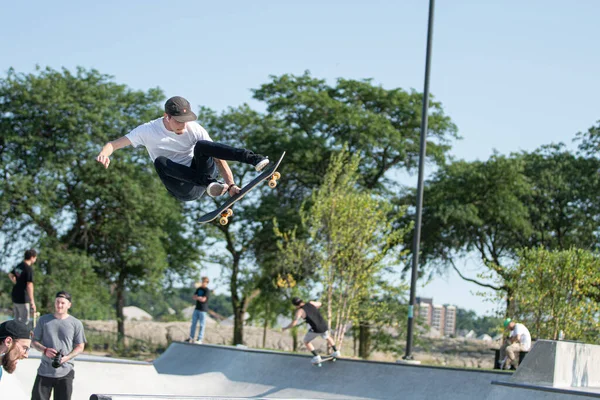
(185,157)
(518,340)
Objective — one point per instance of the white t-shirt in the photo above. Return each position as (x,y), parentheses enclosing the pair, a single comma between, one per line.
(160,142)
(525,339)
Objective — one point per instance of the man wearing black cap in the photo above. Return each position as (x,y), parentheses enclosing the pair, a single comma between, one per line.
(185,157)
(15,339)
(60,338)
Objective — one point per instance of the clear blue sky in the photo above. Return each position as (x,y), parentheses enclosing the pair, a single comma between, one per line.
(513,75)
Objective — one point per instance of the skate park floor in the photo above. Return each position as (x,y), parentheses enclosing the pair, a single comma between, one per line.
(552,370)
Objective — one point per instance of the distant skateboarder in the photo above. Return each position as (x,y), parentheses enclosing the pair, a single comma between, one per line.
(318,326)
(185,157)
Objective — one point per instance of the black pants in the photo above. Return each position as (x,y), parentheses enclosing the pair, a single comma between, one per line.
(63,387)
(189,183)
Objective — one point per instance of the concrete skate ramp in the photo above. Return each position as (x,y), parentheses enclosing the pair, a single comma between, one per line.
(188,371)
(240,372)
(194,372)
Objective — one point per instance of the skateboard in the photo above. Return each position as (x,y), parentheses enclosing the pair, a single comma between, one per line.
(225,211)
(324,359)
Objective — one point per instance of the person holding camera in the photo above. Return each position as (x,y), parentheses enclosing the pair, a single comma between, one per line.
(60,338)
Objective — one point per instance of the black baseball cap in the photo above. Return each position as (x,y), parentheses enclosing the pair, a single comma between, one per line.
(64,295)
(180,109)
(15,330)
(296,301)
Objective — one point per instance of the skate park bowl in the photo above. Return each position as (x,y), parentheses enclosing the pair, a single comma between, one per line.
(552,370)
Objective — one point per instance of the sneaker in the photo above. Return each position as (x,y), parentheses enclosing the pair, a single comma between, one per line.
(316,359)
(198,341)
(261,163)
(335,354)
(190,340)
(216,189)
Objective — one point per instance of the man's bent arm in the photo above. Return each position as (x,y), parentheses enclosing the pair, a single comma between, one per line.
(111,147)
(76,351)
(12,277)
(224,170)
(295,321)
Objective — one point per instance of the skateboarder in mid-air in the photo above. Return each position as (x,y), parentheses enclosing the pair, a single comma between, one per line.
(185,157)
(318,326)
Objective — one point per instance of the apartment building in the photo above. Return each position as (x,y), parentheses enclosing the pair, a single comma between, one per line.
(439,317)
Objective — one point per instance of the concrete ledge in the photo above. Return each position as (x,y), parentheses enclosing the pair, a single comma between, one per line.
(560,364)
(581,392)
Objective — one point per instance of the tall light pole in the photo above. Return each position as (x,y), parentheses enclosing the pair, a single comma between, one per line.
(422,152)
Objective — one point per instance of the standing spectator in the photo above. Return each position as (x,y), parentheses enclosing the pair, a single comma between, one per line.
(60,338)
(15,339)
(519,340)
(22,293)
(201,296)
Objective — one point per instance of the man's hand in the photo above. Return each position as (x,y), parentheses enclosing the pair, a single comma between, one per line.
(103,159)
(233,190)
(33,308)
(50,352)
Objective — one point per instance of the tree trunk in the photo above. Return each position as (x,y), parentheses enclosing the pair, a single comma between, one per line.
(266,325)
(294,333)
(364,335)
(120,294)
(238,326)
(354,340)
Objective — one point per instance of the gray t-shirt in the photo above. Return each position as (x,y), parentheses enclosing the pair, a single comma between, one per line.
(62,335)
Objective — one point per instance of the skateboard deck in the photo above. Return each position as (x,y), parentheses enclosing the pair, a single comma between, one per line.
(324,359)
(225,211)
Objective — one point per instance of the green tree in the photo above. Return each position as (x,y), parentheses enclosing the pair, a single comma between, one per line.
(380,125)
(53,124)
(496,207)
(475,207)
(350,235)
(554,290)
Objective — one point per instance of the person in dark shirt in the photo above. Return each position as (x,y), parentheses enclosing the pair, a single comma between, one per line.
(201,296)
(318,326)
(22,293)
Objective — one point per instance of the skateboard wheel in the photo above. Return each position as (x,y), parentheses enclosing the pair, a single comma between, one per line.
(276,175)
(229,212)
(223,221)
(272,183)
